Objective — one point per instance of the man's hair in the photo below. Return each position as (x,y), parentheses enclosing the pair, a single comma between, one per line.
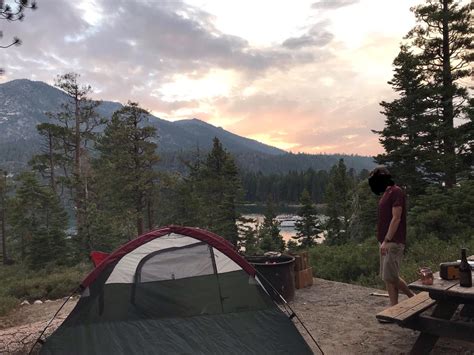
(379,170)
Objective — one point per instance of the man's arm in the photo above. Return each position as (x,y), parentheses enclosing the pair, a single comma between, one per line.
(394,223)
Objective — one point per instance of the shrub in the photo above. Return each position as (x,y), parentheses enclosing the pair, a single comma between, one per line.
(359,263)
(7,303)
(20,283)
(351,262)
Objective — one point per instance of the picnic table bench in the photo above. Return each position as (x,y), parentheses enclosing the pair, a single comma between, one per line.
(444,297)
(406,310)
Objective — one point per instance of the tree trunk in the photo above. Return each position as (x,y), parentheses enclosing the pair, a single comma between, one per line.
(4,234)
(150,214)
(447,104)
(78,195)
(51,162)
(139,213)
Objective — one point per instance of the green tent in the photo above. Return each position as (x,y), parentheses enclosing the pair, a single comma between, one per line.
(175,290)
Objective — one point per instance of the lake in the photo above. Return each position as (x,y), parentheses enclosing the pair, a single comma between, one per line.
(287,230)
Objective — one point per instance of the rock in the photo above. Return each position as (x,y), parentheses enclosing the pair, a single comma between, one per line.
(48,301)
(37,302)
(25,303)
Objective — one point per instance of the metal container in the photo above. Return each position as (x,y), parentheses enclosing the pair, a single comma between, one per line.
(426,276)
(279,271)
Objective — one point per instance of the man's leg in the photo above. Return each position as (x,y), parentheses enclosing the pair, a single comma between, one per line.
(402,285)
(392,292)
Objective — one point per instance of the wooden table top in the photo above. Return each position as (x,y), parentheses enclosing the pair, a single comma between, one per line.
(445,289)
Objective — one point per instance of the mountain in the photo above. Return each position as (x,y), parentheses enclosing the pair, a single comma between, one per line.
(24,104)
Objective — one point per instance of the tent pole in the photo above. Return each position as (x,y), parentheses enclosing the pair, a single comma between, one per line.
(214,266)
(39,340)
(293,313)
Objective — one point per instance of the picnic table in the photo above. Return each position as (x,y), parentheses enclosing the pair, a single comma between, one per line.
(449,296)
(442,299)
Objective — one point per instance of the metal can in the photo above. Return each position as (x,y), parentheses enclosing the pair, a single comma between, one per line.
(426,276)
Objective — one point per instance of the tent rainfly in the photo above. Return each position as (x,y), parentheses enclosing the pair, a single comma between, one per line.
(175,290)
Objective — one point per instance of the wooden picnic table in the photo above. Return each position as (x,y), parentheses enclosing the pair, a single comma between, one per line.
(449,296)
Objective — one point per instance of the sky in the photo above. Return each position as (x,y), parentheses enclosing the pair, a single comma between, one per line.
(304,76)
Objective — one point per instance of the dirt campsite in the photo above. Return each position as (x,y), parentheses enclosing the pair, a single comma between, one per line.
(341,317)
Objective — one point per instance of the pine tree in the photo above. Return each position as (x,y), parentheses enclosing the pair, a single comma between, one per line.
(215,188)
(38,223)
(444,36)
(125,174)
(405,137)
(248,239)
(14,11)
(466,143)
(363,220)
(309,227)
(52,161)
(68,144)
(269,232)
(338,204)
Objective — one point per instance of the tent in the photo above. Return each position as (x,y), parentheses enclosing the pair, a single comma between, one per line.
(175,290)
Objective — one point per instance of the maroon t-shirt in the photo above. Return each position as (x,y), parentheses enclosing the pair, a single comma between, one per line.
(392,197)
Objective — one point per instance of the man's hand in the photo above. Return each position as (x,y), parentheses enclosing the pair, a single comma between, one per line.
(384,248)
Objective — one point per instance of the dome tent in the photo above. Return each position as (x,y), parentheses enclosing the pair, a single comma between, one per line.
(175,290)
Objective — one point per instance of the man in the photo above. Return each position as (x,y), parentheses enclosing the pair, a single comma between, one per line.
(391,231)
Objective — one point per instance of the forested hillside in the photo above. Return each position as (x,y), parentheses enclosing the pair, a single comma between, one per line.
(24,104)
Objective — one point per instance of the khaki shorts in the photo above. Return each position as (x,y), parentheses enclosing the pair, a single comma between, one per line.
(390,262)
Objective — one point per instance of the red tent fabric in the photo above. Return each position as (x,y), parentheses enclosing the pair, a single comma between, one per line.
(98,256)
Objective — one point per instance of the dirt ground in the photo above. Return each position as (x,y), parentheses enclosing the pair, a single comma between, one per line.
(341,317)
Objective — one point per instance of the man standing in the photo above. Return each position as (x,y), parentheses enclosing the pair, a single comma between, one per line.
(391,231)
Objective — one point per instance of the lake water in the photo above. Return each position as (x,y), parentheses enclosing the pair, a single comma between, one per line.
(286,232)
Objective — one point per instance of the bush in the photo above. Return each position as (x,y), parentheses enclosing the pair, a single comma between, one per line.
(359,263)
(20,283)
(351,262)
(45,285)
(7,303)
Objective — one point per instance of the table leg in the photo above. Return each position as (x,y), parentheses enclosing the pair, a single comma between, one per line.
(467,311)
(425,342)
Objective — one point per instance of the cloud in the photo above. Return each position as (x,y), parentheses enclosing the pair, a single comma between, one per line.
(332,4)
(133,44)
(317,36)
(309,92)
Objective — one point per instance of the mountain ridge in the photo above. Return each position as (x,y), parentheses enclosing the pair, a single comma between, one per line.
(24,103)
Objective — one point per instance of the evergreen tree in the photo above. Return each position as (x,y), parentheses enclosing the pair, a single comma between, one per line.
(444,36)
(308,228)
(14,11)
(248,239)
(292,246)
(68,143)
(405,136)
(269,232)
(125,175)
(466,143)
(214,188)
(338,204)
(444,213)
(52,158)
(284,187)
(363,220)
(38,223)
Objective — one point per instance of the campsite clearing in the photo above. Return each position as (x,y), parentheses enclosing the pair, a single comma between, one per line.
(340,316)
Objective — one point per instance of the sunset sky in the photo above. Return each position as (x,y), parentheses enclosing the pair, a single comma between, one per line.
(304,76)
